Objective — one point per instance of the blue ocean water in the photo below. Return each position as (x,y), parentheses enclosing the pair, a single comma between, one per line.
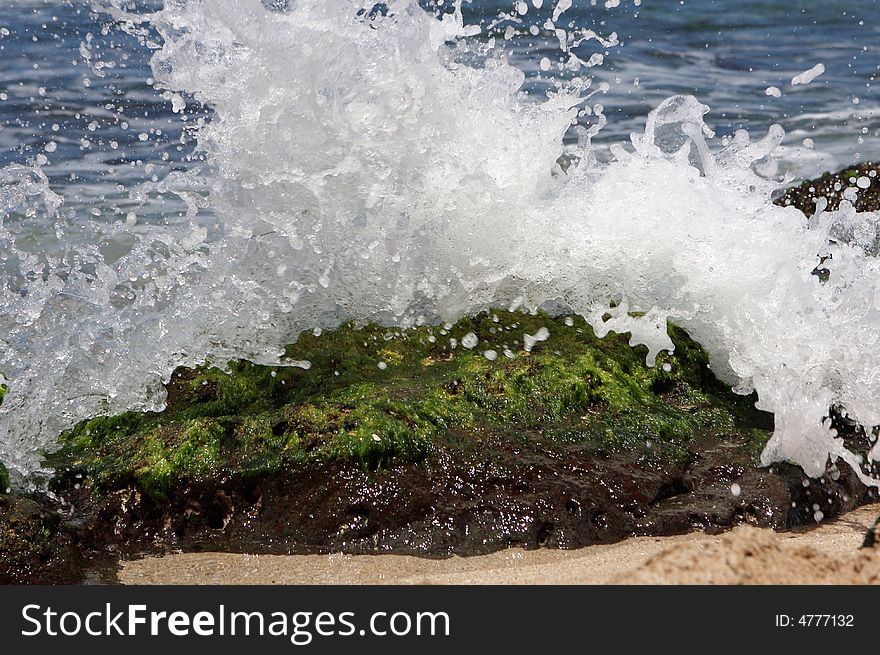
(69,82)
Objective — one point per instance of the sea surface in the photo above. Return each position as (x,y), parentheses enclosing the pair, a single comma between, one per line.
(82,94)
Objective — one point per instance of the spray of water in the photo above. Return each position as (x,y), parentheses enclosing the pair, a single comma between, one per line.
(379,163)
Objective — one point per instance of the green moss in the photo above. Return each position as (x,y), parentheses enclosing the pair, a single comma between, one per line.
(189,451)
(376,435)
(429,396)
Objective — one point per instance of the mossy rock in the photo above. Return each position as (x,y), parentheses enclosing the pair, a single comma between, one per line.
(380,397)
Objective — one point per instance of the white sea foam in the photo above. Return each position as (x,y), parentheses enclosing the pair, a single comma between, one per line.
(389,168)
(808,75)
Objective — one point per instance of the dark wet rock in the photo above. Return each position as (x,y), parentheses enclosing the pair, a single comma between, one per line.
(833,186)
(530,494)
(34,544)
(872,535)
(4,479)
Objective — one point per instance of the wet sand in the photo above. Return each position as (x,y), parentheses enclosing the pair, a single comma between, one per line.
(825,554)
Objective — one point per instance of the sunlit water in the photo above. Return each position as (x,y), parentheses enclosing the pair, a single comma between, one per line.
(207,181)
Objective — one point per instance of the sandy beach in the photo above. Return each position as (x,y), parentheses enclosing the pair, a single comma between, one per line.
(828,553)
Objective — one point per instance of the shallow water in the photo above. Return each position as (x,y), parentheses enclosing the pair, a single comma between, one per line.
(296,164)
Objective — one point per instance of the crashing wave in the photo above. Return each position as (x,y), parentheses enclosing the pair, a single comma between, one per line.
(386,166)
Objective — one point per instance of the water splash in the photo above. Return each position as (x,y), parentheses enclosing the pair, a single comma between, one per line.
(374,162)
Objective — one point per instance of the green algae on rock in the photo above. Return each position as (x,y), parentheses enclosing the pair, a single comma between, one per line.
(431,394)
